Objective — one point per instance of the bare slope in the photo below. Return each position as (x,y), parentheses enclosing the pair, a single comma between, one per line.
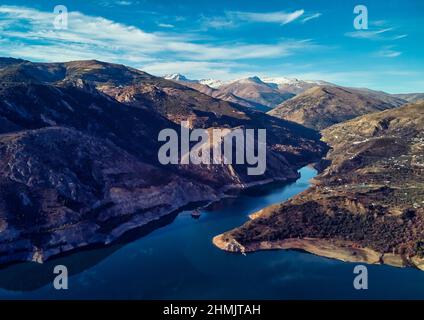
(323,106)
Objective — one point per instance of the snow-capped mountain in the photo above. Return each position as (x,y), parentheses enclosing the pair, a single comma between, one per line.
(177,77)
(294,85)
(213,83)
(262,93)
(253,89)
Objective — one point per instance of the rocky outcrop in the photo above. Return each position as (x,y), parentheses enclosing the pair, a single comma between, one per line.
(61,189)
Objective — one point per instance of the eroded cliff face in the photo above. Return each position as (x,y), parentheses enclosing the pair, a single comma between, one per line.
(61,189)
(369,202)
(79,163)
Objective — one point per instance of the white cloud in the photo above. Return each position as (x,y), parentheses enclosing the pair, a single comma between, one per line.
(166,25)
(112,3)
(388,52)
(311,17)
(31,35)
(280,17)
(235,18)
(379,34)
(368,34)
(239,51)
(198,69)
(401,36)
(378,23)
(217,22)
(124,3)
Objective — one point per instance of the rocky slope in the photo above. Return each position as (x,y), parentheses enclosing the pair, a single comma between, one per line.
(293,85)
(226,96)
(61,189)
(323,106)
(255,90)
(78,153)
(367,205)
(411,97)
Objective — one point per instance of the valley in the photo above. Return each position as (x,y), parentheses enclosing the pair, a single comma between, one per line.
(79,153)
(176,252)
(180,152)
(100,120)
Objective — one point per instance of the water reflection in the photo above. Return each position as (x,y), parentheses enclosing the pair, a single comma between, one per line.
(29,276)
(174,258)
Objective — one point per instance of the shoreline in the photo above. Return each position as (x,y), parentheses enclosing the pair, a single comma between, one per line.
(345,251)
(41,255)
(342,250)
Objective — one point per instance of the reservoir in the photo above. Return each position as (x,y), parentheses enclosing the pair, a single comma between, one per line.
(174,258)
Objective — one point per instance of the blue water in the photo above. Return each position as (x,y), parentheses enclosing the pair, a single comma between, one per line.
(175,259)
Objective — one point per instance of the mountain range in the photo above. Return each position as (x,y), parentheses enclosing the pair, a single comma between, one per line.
(366,206)
(259,93)
(79,160)
(79,153)
(313,103)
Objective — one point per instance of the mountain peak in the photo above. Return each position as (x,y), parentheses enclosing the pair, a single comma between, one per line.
(177,77)
(252,79)
(213,83)
(255,79)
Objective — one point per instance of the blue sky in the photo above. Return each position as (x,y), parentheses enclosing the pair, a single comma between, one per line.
(227,39)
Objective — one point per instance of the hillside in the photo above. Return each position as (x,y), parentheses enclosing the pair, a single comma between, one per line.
(293,85)
(323,106)
(411,97)
(79,153)
(366,206)
(225,96)
(255,90)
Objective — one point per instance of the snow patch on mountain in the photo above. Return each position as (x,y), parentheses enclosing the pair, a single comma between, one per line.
(177,77)
(213,83)
(281,84)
